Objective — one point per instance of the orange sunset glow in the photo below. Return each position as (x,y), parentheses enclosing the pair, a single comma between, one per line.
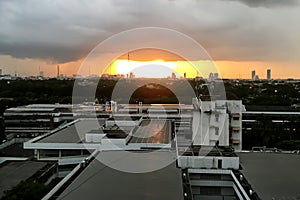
(155,63)
(160,68)
(226,69)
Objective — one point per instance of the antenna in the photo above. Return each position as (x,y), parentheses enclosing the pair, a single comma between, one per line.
(128,61)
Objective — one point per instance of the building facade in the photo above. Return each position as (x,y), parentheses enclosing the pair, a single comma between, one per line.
(218,122)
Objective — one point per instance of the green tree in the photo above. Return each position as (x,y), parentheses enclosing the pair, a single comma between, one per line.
(27,190)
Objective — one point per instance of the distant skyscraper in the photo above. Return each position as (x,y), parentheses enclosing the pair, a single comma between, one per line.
(253,74)
(41,74)
(131,75)
(211,77)
(0,72)
(216,76)
(173,75)
(269,74)
(58,74)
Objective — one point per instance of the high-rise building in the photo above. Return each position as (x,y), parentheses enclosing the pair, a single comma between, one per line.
(268,74)
(173,75)
(41,74)
(58,74)
(131,75)
(253,74)
(211,76)
(216,76)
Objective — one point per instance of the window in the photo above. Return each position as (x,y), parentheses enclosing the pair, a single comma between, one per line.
(236,131)
(217,130)
(220,164)
(217,117)
(236,118)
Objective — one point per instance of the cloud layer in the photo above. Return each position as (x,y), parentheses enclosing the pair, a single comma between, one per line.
(63,31)
(268,3)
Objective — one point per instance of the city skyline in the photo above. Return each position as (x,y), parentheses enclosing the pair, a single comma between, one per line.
(37,34)
(179,67)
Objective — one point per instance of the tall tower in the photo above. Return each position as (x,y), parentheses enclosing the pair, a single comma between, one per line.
(57,71)
(211,77)
(268,74)
(128,59)
(253,74)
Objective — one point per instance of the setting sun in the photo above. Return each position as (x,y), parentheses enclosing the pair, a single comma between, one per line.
(159,68)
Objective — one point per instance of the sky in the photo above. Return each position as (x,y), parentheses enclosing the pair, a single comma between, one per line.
(239,35)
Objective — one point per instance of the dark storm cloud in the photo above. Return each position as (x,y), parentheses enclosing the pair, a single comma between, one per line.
(49,30)
(51,54)
(63,31)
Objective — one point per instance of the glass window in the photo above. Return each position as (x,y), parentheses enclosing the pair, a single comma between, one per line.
(217,117)
(217,130)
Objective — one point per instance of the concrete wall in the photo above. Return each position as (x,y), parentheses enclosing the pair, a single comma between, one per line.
(208,162)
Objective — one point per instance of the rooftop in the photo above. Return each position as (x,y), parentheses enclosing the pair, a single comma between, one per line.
(155,131)
(14,172)
(272,175)
(99,180)
(69,134)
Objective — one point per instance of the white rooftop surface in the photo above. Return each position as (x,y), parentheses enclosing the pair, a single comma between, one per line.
(31,109)
(87,134)
(49,106)
(40,107)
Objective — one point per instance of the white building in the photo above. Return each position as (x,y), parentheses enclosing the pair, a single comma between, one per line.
(186,132)
(213,76)
(217,122)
